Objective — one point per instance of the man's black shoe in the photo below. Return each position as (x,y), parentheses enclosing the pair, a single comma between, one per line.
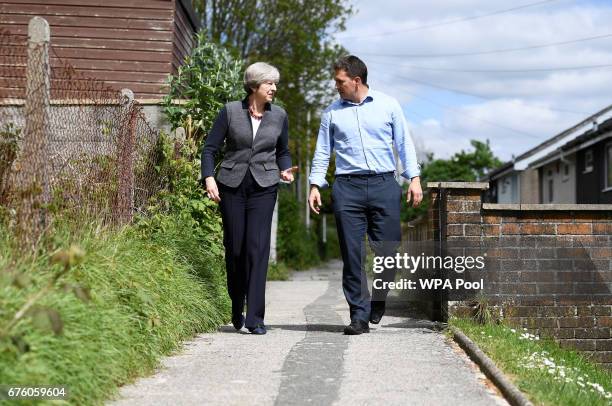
(260,329)
(356,327)
(238,321)
(377,309)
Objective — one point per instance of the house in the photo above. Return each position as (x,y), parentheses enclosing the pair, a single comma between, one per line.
(131,44)
(548,173)
(579,171)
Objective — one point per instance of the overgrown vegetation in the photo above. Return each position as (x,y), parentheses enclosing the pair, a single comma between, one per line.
(148,292)
(94,307)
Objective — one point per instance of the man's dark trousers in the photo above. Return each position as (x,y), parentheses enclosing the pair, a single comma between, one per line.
(364,204)
(246,211)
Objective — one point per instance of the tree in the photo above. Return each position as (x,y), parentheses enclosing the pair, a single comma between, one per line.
(293,35)
(463,166)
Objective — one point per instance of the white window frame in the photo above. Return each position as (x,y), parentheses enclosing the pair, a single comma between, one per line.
(607,163)
(566,176)
(588,169)
(551,189)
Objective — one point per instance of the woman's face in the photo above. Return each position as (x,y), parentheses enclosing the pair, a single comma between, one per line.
(266,91)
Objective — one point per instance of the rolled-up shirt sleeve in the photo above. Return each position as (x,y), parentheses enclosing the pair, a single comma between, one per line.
(404,144)
(323,150)
(283,157)
(213,143)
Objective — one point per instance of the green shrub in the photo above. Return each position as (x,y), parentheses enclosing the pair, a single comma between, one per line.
(148,292)
(208,78)
(297,247)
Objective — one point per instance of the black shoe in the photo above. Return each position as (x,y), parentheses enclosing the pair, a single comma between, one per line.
(377,309)
(260,329)
(356,327)
(238,321)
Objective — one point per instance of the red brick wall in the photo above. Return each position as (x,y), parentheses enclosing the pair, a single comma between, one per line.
(552,265)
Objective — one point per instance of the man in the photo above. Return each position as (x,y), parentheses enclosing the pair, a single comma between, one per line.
(362,127)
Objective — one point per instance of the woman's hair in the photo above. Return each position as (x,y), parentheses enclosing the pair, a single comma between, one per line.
(257,73)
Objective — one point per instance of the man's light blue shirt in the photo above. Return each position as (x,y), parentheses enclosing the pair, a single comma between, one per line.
(363,135)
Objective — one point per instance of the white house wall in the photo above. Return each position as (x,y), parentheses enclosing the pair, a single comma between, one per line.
(564,186)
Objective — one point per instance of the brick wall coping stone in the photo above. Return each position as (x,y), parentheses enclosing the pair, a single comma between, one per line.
(459,185)
(547,207)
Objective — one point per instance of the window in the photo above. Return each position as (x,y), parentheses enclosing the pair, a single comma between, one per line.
(608,166)
(566,171)
(550,190)
(588,161)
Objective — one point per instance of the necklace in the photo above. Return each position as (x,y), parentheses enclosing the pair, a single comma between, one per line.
(253,114)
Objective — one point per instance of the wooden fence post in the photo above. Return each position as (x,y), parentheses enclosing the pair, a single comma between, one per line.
(31,178)
(124,204)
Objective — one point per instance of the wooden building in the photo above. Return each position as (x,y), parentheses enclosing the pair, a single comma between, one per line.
(131,44)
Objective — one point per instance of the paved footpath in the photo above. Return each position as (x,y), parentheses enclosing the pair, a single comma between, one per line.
(306,360)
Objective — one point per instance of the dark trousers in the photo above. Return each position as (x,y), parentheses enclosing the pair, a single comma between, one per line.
(247,218)
(365,204)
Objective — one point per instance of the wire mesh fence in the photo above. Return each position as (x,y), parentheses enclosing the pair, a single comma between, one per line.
(70,146)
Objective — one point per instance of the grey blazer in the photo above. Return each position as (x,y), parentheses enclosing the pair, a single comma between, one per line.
(264,156)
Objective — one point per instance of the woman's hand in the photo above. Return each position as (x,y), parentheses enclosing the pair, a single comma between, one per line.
(287,174)
(211,189)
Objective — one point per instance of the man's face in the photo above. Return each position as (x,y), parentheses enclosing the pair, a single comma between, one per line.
(345,85)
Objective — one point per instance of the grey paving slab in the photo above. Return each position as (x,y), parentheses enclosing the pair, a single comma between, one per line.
(306,360)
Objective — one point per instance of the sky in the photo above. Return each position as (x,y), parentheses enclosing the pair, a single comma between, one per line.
(515,99)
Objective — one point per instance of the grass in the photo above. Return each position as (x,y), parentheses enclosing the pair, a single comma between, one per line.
(149,292)
(539,367)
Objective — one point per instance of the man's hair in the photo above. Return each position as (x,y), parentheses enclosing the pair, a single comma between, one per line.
(353,66)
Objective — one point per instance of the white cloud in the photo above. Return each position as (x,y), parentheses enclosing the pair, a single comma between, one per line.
(528,102)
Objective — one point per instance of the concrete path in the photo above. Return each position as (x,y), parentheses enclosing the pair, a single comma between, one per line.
(306,360)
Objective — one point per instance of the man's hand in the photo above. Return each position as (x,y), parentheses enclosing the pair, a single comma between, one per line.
(211,189)
(415,193)
(287,174)
(314,199)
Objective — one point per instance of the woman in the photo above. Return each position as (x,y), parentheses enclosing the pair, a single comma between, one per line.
(256,156)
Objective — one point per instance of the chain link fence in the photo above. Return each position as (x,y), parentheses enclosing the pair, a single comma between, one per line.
(70,146)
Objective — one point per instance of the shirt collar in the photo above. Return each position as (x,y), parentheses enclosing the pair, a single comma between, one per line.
(369,97)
